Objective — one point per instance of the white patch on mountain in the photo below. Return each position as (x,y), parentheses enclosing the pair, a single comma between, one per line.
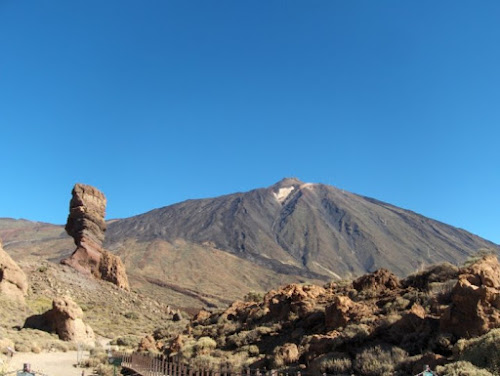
(283,193)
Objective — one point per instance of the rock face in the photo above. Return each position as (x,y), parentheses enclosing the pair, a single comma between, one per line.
(475,307)
(294,298)
(87,226)
(65,319)
(13,282)
(379,280)
(343,310)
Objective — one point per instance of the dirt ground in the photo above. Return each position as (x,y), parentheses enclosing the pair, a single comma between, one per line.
(51,363)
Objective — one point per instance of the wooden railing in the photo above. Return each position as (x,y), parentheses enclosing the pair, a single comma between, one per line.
(151,365)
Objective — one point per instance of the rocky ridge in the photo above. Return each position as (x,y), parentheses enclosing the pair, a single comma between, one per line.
(341,328)
(87,227)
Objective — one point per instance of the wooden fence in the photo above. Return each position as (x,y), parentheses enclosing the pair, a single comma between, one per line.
(150,365)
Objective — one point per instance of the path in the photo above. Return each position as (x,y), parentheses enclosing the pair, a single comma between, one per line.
(51,363)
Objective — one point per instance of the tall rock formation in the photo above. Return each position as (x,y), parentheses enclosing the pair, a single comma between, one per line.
(13,281)
(87,226)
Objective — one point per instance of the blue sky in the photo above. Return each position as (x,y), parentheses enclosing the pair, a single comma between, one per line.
(155,102)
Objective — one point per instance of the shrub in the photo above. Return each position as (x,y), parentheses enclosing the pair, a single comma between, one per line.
(378,360)
(355,333)
(461,368)
(42,269)
(253,350)
(126,341)
(187,350)
(286,354)
(333,363)
(471,260)
(104,370)
(131,315)
(436,273)
(482,351)
(253,296)
(205,345)
(245,337)
(206,362)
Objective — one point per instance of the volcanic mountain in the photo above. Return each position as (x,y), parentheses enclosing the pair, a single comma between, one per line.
(311,230)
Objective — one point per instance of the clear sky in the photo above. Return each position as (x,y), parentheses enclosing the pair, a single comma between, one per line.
(155,102)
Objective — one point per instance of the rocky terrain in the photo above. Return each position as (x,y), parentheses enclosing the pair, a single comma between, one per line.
(207,253)
(377,324)
(307,238)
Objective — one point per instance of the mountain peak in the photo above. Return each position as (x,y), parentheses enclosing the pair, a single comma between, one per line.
(288,182)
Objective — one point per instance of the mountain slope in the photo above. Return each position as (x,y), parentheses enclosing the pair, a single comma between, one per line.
(311,230)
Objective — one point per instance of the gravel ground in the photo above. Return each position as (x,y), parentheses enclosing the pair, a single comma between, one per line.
(51,364)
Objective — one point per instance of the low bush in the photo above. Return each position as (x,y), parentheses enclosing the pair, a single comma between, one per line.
(378,360)
(461,368)
(482,351)
(205,345)
(333,363)
(129,341)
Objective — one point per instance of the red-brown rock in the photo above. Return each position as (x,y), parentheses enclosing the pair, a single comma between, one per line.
(147,344)
(343,310)
(87,226)
(475,307)
(13,281)
(294,298)
(65,319)
(377,281)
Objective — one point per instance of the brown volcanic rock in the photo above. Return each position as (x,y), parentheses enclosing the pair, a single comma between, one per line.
(344,310)
(475,307)
(13,281)
(65,319)
(377,281)
(295,298)
(87,226)
(87,209)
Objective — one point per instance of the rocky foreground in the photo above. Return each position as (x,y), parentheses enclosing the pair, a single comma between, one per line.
(375,325)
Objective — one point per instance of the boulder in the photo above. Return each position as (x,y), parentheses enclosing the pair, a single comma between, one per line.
(343,310)
(13,281)
(87,227)
(475,300)
(298,299)
(147,344)
(65,319)
(201,317)
(379,280)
